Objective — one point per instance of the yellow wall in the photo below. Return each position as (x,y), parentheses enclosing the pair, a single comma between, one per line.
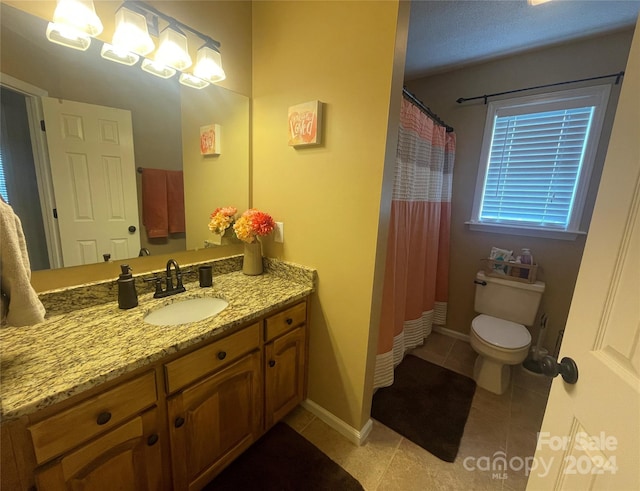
(559,260)
(328,197)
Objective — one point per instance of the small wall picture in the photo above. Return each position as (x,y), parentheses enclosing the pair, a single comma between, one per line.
(305,124)
(210,139)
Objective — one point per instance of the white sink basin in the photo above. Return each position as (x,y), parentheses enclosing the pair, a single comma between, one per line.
(185,311)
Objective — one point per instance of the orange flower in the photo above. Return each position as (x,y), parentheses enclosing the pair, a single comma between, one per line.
(221,219)
(253,223)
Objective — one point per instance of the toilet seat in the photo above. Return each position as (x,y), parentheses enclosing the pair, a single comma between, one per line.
(500,332)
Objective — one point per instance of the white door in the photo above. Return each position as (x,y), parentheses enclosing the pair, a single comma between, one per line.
(590,436)
(94,181)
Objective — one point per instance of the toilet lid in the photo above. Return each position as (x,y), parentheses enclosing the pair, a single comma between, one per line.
(500,332)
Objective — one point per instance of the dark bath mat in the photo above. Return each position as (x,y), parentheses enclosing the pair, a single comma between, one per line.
(283,460)
(426,404)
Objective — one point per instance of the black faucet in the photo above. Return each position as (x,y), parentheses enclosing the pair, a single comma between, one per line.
(179,287)
(170,290)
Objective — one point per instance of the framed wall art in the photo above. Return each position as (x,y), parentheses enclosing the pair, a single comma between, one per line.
(305,124)
(210,139)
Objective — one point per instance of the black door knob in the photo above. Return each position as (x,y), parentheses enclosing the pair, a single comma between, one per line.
(152,440)
(567,368)
(178,422)
(132,228)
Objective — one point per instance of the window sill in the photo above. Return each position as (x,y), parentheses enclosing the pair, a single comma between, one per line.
(526,231)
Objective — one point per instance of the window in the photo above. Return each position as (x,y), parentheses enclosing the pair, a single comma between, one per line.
(536,162)
(3,181)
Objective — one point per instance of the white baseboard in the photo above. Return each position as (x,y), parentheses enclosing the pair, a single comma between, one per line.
(357,437)
(451,333)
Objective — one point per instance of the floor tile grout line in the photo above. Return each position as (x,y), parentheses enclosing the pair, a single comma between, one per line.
(313,418)
(446,357)
(395,451)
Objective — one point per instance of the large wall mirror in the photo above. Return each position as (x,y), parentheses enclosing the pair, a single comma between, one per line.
(166,120)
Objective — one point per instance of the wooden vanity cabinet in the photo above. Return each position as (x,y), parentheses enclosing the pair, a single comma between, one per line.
(108,441)
(126,458)
(173,425)
(214,420)
(285,362)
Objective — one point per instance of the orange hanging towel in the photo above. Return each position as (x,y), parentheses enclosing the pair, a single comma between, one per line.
(155,214)
(162,202)
(175,201)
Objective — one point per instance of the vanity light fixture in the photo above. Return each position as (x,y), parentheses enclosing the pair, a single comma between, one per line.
(158,69)
(67,36)
(74,23)
(193,81)
(173,50)
(131,32)
(119,55)
(79,15)
(131,40)
(209,64)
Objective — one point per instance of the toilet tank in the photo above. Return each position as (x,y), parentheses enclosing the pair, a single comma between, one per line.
(507,299)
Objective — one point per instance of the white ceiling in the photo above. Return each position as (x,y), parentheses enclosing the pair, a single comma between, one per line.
(445,34)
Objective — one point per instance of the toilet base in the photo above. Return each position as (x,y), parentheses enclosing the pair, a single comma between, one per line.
(491,375)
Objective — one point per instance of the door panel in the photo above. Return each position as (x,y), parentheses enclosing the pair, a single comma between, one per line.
(93,173)
(590,433)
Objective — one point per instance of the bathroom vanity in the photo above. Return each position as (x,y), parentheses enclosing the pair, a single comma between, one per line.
(153,407)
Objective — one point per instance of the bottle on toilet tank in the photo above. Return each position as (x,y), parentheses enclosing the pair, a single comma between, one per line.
(525,258)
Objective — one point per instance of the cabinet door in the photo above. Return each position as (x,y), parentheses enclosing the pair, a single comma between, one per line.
(126,458)
(214,421)
(285,371)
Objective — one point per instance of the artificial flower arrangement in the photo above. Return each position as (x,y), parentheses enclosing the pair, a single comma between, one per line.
(251,224)
(221,219)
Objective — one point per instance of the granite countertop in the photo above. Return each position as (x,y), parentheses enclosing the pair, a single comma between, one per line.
(71,352)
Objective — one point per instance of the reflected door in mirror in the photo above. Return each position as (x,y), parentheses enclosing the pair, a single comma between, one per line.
(93,175)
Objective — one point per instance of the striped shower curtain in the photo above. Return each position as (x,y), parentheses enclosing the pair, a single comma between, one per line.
(417,265)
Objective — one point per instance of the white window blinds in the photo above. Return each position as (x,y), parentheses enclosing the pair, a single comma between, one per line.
(3,182)
(534,166)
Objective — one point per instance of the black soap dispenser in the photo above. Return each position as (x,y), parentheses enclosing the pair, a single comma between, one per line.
(127,295)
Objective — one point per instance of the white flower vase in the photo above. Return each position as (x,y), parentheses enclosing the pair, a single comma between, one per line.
(225,239)
(252,261)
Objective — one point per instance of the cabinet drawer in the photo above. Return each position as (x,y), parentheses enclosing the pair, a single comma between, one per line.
(285,321)
(191,367)
(67,429)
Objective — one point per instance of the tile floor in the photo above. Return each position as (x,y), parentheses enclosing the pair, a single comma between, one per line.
(506,424)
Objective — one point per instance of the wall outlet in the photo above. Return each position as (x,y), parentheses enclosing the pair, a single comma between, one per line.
(278,232)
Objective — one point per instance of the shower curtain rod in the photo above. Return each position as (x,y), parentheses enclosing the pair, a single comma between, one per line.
(425,109)
(618,76)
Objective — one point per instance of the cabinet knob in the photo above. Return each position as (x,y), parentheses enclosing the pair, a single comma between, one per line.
(272,363)
(179,422)
(152,440)
(222,355)
(103,418)
(289,320)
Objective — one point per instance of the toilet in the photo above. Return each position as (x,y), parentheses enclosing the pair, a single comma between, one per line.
(499,334)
